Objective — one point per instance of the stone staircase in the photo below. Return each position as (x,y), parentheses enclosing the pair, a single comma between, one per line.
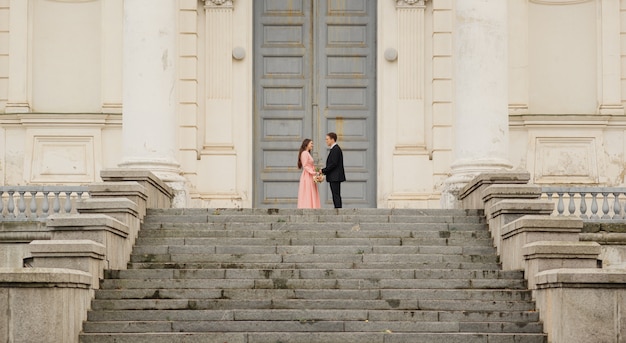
(289,276)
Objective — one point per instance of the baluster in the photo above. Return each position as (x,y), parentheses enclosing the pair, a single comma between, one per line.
(11,205)
(594,205)
(21,205)
(56,203)
(617,210)
(605,206)
(560,207)
(571,208)
(68,202)
(1,204)
(45,205)
(583,206)
(33,204)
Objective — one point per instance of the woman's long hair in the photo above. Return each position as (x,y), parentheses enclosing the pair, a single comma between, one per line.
(305,142)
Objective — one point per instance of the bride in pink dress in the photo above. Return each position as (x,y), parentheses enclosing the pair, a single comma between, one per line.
(308,194)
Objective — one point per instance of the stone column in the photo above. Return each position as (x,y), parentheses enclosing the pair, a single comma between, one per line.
(481,93)
(149,122)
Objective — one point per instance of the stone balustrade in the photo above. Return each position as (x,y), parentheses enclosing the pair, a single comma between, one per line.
(31,203)
(589,203)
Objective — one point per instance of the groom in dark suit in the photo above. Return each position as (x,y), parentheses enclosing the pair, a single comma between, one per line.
(334,172)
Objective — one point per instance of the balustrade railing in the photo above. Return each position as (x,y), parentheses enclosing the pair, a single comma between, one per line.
(589,203)
(37,202)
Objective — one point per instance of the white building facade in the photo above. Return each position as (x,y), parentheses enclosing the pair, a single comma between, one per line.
(216,96)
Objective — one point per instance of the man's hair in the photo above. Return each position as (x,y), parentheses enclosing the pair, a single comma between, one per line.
(332,136)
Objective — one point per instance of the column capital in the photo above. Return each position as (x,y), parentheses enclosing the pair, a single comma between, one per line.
(410,3)
(218,3)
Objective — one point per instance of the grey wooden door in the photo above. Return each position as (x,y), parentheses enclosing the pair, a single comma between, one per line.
(314,73)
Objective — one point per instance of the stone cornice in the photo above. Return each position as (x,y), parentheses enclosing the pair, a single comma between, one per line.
(410,3)
(218,3)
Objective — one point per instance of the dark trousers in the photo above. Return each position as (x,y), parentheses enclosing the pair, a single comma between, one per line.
(335,189)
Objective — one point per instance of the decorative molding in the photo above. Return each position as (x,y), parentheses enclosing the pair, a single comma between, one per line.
(558,2)
(410,3)
(218,3)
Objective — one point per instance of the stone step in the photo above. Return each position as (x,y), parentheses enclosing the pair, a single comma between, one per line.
(321,211)
(307,326)
(489,267)
(315,284)
(311,249)
(309,233)
(310,218)
(325,337)
(314,241)
(312,274)
(311,258)
(319,304)
(315,315)
(475,225)
(365,294)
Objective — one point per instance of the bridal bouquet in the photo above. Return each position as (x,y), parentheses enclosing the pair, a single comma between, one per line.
(318,177)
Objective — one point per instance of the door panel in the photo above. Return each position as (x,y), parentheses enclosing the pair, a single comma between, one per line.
(314,73)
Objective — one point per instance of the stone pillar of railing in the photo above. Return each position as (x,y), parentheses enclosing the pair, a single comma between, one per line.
(84,255)
(45,305)
(159,194)
(121,209)
(506,211)
(99,228)
(14,240)
(544,255)
(471,196)
(130,190)
(582,305)
(535,228)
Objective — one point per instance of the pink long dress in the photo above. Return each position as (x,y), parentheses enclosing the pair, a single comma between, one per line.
(308,194)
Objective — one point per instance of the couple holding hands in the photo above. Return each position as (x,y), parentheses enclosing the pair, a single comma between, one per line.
(308,194)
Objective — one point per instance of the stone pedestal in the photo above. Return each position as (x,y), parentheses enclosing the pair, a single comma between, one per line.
(130,190)
(99,228)
(159,194)
(583,305)
(84,255)
(506,211)
(533,228)
(541,256)
(45,305)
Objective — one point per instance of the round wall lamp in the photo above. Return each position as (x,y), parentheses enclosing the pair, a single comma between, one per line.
(239,53)
(391,54)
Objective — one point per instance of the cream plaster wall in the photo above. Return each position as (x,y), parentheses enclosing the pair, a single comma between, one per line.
(60,102)
(566,91)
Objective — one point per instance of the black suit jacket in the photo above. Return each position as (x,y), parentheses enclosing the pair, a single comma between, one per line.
(334,166)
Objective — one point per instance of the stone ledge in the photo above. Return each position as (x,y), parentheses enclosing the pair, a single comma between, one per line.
(514,191)
(43,277)
(581,278)
(128,174)
(87,222)
(107,205)
(118,188)
(540,223)
(559,250)
(504,177)
(604,238)
(510,206)
(67,248)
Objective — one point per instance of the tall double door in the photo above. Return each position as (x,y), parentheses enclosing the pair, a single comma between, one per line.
(315,72)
